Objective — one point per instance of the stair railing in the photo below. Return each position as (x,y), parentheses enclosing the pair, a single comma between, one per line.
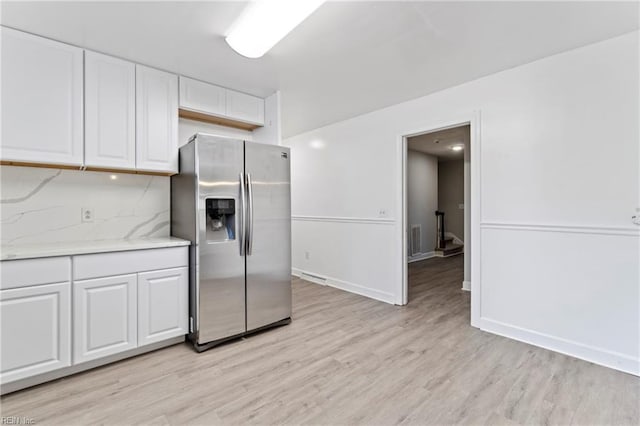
(440,241)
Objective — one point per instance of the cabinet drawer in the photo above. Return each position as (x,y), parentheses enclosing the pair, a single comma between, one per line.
(28,272)
(128,262)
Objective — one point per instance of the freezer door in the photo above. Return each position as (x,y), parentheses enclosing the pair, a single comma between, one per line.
(268,234)
(220,265)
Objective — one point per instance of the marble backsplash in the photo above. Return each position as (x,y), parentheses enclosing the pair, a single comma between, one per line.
(39,205)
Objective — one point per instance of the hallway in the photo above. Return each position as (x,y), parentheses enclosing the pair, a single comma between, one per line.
(438,280)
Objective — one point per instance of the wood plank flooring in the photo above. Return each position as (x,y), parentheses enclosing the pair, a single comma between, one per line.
(346,359)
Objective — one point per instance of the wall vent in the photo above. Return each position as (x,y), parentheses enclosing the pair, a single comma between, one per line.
(313,278)
(416,247)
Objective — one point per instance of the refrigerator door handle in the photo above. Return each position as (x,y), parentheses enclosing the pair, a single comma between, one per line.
(243,220)
(249,215)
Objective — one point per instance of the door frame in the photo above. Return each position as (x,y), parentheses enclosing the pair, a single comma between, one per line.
(472,119)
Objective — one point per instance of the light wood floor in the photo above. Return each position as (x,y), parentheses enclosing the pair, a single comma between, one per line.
(347,359)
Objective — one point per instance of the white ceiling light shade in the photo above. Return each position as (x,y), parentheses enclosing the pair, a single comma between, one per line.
(263,23)
(457,148)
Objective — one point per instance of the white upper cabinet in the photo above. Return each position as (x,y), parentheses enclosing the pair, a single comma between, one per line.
(217,101)
(245,107)
(156,120)
(202,97)
(110,102)
(42,95)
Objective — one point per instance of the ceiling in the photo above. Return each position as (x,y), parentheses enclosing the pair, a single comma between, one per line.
(347,59)
(439,143)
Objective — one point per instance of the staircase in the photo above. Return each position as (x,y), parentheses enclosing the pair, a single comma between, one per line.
(445,246)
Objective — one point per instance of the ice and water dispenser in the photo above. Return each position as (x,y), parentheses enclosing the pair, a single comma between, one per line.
(221,219)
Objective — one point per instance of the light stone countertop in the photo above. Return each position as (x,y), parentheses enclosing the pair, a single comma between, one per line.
(31,251)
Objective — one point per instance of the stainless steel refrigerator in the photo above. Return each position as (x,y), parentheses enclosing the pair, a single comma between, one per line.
(232,200)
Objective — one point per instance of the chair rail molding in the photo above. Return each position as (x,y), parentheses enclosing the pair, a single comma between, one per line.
(367,220)
(563,228)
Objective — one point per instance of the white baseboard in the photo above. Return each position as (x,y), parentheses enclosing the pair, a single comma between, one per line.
(615,360)
(421,256)
(466,285)
(313,277)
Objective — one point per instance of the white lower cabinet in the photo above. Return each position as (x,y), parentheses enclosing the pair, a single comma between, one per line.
(162,305)
(61,315)
(36,330)
(104,317)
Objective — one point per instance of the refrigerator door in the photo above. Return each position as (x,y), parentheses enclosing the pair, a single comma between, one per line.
(268,234)
(220,265)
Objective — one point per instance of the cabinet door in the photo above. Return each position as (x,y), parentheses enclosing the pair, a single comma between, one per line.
(156,120)
(202,97)
(36,330)
(245,107)
(162,305)
(110,114)
(41,100)
(104,317)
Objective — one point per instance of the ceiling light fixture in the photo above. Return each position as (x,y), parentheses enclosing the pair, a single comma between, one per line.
(457,148)
(263,23)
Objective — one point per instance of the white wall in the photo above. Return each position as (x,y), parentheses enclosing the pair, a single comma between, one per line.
(422,198)
(271,132)
(559,182)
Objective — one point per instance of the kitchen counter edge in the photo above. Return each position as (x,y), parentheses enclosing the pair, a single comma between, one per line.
(34,251)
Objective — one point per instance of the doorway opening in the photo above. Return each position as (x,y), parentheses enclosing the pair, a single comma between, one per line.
(437,211)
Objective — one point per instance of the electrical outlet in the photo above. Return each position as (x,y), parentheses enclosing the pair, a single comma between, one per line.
(461,206)
(87,214)
(306,255)
(382,213)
